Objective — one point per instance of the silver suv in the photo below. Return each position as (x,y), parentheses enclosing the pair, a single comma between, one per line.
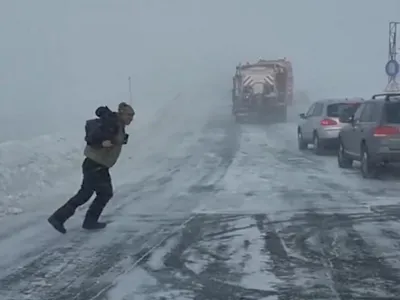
(371,134)
(320,125)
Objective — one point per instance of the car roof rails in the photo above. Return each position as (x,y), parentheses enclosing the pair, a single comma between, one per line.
(387,96)
(355,99)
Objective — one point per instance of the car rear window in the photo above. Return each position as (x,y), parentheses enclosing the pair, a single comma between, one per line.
(335,110)
(392,112)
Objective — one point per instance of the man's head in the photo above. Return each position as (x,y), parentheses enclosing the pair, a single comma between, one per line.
(125,113)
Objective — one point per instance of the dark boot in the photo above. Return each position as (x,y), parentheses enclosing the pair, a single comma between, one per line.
(94,225)
(60,216)
(94,211)
(91,220)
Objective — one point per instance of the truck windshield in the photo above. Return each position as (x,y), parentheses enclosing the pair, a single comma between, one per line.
(335,110)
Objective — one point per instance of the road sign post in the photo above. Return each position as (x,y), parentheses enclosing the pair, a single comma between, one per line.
(392,67)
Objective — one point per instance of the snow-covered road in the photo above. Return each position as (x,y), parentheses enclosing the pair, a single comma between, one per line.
(208,209)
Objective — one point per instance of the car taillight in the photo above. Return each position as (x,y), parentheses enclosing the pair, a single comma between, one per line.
(385,131)
(328,122)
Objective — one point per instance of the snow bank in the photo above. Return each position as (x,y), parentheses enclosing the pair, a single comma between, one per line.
(31,167)
(43,169)
(42,172)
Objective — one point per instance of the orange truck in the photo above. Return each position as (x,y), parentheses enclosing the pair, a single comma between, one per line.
(263,90)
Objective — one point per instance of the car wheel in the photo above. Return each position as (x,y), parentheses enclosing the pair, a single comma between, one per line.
(318,149)
(343,161)
(368,169)
(300,141)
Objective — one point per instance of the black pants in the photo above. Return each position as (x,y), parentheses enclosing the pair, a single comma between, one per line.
(96,179)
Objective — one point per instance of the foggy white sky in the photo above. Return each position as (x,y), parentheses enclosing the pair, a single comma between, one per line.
(58,59)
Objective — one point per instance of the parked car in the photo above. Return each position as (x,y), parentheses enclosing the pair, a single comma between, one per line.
(320,125)
(371,134)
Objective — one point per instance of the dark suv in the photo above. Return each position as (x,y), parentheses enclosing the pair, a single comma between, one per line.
(371,135)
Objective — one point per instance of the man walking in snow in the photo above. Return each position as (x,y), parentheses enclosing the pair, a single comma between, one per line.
(105,136)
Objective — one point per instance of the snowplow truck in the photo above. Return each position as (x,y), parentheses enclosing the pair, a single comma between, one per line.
(262,91)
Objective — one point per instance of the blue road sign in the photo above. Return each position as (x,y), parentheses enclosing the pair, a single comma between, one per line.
(392,68)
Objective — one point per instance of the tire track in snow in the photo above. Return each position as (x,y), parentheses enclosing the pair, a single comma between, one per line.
(199,265)
(246,256)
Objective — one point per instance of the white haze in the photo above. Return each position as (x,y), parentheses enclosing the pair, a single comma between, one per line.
(59,59)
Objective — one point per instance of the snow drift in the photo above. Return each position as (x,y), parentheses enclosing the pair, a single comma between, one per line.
(45,170)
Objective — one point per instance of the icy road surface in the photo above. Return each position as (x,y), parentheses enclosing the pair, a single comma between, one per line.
(214,211)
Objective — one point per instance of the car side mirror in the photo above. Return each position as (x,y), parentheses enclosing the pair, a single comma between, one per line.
(303,116)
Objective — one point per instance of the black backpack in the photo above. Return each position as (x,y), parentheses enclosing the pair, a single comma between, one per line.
(105,127)
(93,132)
